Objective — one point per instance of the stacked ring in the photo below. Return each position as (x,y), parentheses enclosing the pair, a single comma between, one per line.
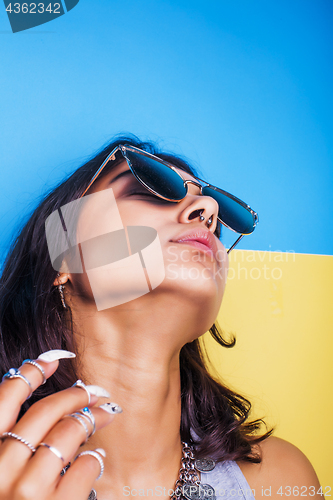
(86,412)
(15,373)
(36,365)
(80,419)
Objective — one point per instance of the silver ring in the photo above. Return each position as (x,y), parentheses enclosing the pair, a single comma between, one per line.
(209,221)
(54,450)
(201,217)
(18,438)
(15,373)
(95,455)
(80,419)
(65,469)
(86,412)
(82,385)
(34,363)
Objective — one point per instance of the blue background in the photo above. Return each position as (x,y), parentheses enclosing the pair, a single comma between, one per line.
(241,88)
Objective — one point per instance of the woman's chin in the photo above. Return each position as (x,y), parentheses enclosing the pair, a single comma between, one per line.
(197,279)
(196,286)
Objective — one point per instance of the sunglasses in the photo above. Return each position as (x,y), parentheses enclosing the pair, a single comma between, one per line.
(163,180)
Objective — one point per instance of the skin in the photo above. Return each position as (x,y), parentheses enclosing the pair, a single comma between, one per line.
(136,345)
(132,350)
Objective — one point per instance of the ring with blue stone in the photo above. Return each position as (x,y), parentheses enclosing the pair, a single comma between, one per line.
(86,412)
(15,373)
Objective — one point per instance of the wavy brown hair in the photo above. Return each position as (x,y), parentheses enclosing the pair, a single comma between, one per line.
(32,320)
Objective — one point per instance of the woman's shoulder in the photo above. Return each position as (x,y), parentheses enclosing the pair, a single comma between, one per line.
(284,471)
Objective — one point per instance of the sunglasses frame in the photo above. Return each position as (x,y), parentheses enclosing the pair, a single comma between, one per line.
(122,149)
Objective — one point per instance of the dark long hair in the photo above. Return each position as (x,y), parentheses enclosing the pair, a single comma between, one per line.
(32,320)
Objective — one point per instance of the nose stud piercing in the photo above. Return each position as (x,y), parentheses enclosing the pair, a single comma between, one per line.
(209,221)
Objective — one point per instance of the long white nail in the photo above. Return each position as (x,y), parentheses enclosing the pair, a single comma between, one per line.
(55,354)
(111,408)
(101,452)
(98,391)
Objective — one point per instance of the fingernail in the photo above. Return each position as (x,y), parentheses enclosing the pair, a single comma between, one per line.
(98,391)
(111,408)
(101,452)
(55,354)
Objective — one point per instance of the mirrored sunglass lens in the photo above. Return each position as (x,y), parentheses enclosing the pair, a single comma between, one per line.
(157,176)
(231,212)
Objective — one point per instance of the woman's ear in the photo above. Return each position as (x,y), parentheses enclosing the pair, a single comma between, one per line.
(61,279)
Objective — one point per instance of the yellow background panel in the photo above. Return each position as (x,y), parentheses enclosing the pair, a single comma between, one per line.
(280,308)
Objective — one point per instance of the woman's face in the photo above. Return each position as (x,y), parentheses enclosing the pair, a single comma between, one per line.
(195,261)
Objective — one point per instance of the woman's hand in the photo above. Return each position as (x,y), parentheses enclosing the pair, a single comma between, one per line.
(25,474)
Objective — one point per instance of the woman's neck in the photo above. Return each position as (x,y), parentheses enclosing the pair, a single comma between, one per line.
(135,356)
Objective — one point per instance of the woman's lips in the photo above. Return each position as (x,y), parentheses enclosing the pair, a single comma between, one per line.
(197,244)
(201,239)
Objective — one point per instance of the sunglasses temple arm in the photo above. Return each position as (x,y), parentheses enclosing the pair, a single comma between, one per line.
(236,242)
(108,158)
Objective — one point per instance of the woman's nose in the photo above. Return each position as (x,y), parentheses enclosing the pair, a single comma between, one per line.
(199,208)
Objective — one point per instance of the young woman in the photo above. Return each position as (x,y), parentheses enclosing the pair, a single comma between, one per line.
(111,282)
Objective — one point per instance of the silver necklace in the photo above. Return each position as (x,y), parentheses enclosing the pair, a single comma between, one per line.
(188,485)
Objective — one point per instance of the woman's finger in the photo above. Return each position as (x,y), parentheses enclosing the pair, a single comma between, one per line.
(60,447)
(14,391)
(80,478)
(37,422)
